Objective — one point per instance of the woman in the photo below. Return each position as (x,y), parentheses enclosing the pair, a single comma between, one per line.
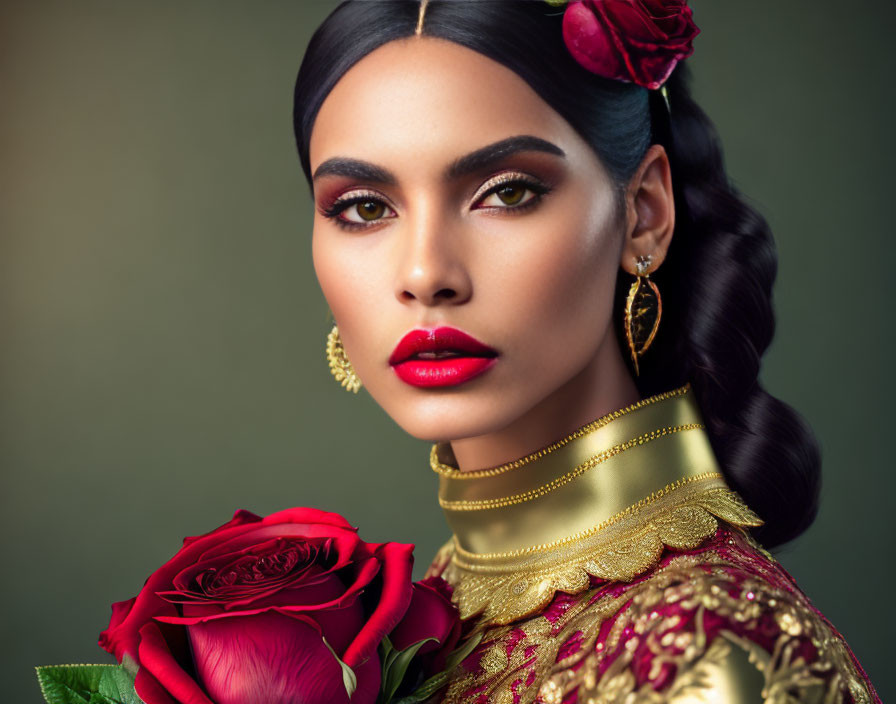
(535,260)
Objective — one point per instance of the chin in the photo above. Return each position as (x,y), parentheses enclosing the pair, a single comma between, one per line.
(444,417)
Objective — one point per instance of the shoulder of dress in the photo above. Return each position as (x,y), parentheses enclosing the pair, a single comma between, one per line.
(726,671)
(737,670)
(726,620)
(723,618)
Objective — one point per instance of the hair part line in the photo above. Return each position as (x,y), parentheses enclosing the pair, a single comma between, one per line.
(419,30)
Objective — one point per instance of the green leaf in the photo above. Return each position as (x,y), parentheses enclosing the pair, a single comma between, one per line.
(349,679)
(388,653)
(462,651)
(87,684)
(426,690)
(97,698)
(439,680)
(395,664)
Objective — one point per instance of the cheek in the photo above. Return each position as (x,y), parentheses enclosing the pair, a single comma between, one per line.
(560,292)
(328,267)
(350,271)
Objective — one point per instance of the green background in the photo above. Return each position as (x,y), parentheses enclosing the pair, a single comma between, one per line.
(162,357)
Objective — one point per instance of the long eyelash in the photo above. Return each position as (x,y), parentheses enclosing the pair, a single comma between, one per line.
(539,189)
(338,206)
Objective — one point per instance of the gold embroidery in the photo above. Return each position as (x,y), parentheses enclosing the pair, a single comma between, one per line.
(453,472)
(504,587)
(536,666)
(482,504)
(523,662)
(520,673)
(707,668)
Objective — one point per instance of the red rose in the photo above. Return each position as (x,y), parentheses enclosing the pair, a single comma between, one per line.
(258,610)
(638,41)
(430,615)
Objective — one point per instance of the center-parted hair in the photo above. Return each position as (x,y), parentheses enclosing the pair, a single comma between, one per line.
(716,280)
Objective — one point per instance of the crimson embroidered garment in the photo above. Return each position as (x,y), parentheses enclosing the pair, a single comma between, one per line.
(616,565)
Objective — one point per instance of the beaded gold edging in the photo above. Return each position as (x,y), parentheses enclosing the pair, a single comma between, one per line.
(590,463)
(455,473)
(459,553)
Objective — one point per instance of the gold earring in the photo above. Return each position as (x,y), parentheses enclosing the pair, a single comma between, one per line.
(643,309)
(340,367)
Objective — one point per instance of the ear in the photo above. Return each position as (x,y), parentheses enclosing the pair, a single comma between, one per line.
(650,211)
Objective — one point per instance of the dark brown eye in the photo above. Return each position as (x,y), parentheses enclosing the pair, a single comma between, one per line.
(354,212)
(511,194)
(370,210)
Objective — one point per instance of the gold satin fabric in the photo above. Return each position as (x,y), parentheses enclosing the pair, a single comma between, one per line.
(581,483)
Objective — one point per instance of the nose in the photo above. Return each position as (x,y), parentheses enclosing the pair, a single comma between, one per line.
(432,266)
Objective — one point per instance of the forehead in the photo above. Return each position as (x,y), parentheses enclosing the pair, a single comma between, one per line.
(424,100)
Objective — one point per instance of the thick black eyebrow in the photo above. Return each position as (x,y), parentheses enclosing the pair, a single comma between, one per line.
(354,168)
(488,155)
(474,161)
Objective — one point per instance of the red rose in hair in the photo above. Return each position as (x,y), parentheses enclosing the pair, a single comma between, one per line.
(259,609)
(638,41)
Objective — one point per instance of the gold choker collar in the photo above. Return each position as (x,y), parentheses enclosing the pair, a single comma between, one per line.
(603,501)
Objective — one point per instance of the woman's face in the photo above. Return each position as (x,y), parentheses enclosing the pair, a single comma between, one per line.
(449,194)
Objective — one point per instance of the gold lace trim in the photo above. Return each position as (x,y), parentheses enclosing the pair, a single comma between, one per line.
(504,587)
(590,463)
(447,470)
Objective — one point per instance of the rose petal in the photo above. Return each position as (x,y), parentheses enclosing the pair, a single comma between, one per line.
(590,42)
(317,600)
(122,638)
(156,657)
(395,596)
(149,690)
(631,20)
(429,615)
(638,42)
(120,610)
(369,675)
(254,544)
(240,517)
(267,658)
(309,516)
(345,542)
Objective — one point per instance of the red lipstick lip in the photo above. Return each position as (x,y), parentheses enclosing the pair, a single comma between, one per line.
(416,361)
(442,339)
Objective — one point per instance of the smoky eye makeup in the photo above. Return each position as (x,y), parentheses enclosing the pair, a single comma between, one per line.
(368,207)
(507,192)
(509,188)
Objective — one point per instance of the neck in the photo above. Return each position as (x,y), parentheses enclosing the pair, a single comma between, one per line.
(603,386)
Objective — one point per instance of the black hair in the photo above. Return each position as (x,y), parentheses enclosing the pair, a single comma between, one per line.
(716,281)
